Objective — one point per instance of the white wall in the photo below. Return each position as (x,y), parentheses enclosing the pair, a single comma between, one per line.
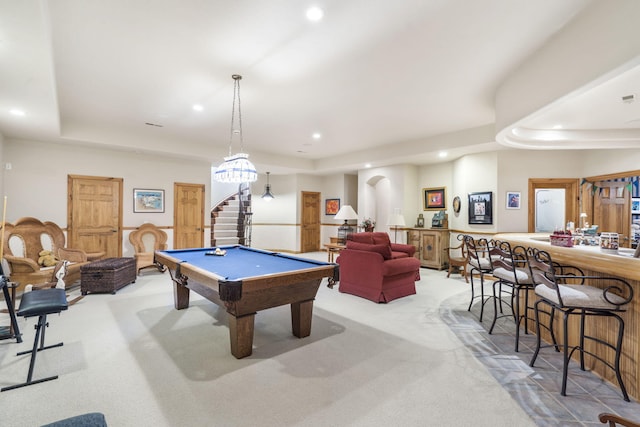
(382,190)
(36,185)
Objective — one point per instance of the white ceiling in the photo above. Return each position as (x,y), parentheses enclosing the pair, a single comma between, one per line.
(373,74)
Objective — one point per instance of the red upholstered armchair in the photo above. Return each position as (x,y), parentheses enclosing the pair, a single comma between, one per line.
(374,268)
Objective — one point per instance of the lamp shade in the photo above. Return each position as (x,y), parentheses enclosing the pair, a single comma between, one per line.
(236,168)
(346,212)
(396,220)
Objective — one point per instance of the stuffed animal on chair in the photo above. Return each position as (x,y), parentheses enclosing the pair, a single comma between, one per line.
(46,258)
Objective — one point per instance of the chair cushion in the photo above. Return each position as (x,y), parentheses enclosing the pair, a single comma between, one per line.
(580,296)
(522,276)
(384,250)
(480,263)
(380,238)
(45,301)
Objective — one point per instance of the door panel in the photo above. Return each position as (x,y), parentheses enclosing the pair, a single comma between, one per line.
(310,216)
(95,214)
(188,215)
(612,210)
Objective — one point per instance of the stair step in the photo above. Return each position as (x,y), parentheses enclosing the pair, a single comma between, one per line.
(225,226)
(227,241)
(225,233)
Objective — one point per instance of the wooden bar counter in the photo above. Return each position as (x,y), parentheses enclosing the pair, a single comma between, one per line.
(594,262)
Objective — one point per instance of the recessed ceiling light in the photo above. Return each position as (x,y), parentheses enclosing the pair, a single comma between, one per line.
(316,135)
(314,14)
(198,107)
(17,112)
(368,165)
(442,154)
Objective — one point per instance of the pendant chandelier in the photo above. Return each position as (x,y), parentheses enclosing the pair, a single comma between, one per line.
(236,168)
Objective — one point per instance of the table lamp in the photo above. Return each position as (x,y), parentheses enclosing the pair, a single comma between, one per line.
(346,213)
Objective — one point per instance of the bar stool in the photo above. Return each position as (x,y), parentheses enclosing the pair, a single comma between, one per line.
(478,252)
(582,300)
(511,268)
(39,303)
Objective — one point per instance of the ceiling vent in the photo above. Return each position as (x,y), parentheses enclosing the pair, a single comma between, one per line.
(628,99)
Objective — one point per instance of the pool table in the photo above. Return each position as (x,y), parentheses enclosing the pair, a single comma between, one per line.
(245,280)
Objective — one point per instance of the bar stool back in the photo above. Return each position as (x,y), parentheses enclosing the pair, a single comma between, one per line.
(583,300)
(513,274)
(478,255)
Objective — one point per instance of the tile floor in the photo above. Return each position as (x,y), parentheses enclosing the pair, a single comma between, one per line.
(536,389)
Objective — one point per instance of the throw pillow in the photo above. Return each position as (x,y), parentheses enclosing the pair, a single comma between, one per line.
(383,250)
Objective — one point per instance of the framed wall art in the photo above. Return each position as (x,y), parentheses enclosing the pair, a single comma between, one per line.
(148,200)
(480,208)
(331,206)
(635,205)
(513,200)
(434,198)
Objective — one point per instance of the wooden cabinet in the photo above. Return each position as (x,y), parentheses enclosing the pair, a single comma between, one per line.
(430,244)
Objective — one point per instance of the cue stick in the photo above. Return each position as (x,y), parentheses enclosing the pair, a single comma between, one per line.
(4,216)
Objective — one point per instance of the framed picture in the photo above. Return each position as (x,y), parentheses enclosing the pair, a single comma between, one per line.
(148,200)
(331,206)
(480,208)
(635,205)
(513,200)
(434,198)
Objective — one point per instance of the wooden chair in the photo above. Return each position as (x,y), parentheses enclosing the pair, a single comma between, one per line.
(458,258)
(147,239)
(615,420)
(23,242)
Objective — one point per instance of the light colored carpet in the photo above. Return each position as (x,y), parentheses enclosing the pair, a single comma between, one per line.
(139,361)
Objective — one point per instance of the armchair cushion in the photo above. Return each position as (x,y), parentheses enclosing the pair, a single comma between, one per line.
(384,250)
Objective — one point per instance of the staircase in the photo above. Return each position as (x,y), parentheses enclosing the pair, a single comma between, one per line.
(231,219)
(225,228)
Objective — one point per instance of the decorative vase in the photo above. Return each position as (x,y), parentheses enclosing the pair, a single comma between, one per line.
(368,229)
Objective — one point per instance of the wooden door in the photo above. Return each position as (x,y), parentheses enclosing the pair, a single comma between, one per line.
(570,186)
(94,214)
(612,210)
(310,217)
(188,215)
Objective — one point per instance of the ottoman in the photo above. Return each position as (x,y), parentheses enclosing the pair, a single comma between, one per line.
(107,275)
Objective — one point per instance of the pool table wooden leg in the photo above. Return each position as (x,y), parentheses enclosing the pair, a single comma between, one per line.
(180,296)
(241,335)
(301,314)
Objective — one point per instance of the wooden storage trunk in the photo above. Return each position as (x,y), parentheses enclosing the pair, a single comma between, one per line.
(107,275)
